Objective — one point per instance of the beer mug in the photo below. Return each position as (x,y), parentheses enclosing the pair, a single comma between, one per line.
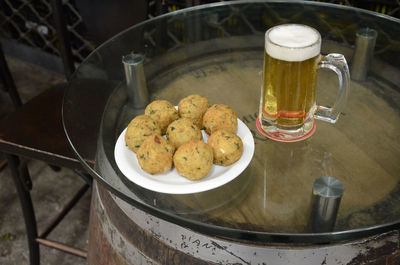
(288,93)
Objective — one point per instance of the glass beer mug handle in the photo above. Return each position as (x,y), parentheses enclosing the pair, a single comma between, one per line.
(338,64)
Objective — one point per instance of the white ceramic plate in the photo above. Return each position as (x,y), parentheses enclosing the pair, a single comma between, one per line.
(173,183)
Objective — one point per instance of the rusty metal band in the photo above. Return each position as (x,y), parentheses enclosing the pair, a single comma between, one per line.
(138,237)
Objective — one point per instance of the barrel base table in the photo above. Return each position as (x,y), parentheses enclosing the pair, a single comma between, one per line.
(262,216)
(122,234)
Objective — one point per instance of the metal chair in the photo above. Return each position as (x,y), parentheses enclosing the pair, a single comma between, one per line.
(35,131)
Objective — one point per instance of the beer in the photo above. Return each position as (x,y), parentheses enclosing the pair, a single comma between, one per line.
(291,58)
(288,102)
(288,90)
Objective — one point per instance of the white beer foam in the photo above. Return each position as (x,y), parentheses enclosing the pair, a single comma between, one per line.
(293,43)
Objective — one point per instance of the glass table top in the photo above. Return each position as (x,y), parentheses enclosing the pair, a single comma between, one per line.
(217,51)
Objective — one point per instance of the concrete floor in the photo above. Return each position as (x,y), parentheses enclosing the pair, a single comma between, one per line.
(50,190)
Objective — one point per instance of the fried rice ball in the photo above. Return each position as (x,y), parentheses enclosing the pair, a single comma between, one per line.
(219,116)
(227,147)
(138,129)
(155,155)
(163,112)
(181,131)
(194,159)
(193,107)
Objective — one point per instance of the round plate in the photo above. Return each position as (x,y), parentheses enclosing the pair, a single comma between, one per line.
(173,183)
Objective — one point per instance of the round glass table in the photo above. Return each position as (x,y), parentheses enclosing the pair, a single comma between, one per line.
(216,51)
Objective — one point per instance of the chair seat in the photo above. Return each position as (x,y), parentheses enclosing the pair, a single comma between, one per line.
(42,117)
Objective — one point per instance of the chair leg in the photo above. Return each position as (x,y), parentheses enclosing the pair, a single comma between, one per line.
(27,209)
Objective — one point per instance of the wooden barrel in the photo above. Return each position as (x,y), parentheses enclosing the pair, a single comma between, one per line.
(122,234)
(273,194)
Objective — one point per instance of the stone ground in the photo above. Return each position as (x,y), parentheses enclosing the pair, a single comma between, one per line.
(50,189)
